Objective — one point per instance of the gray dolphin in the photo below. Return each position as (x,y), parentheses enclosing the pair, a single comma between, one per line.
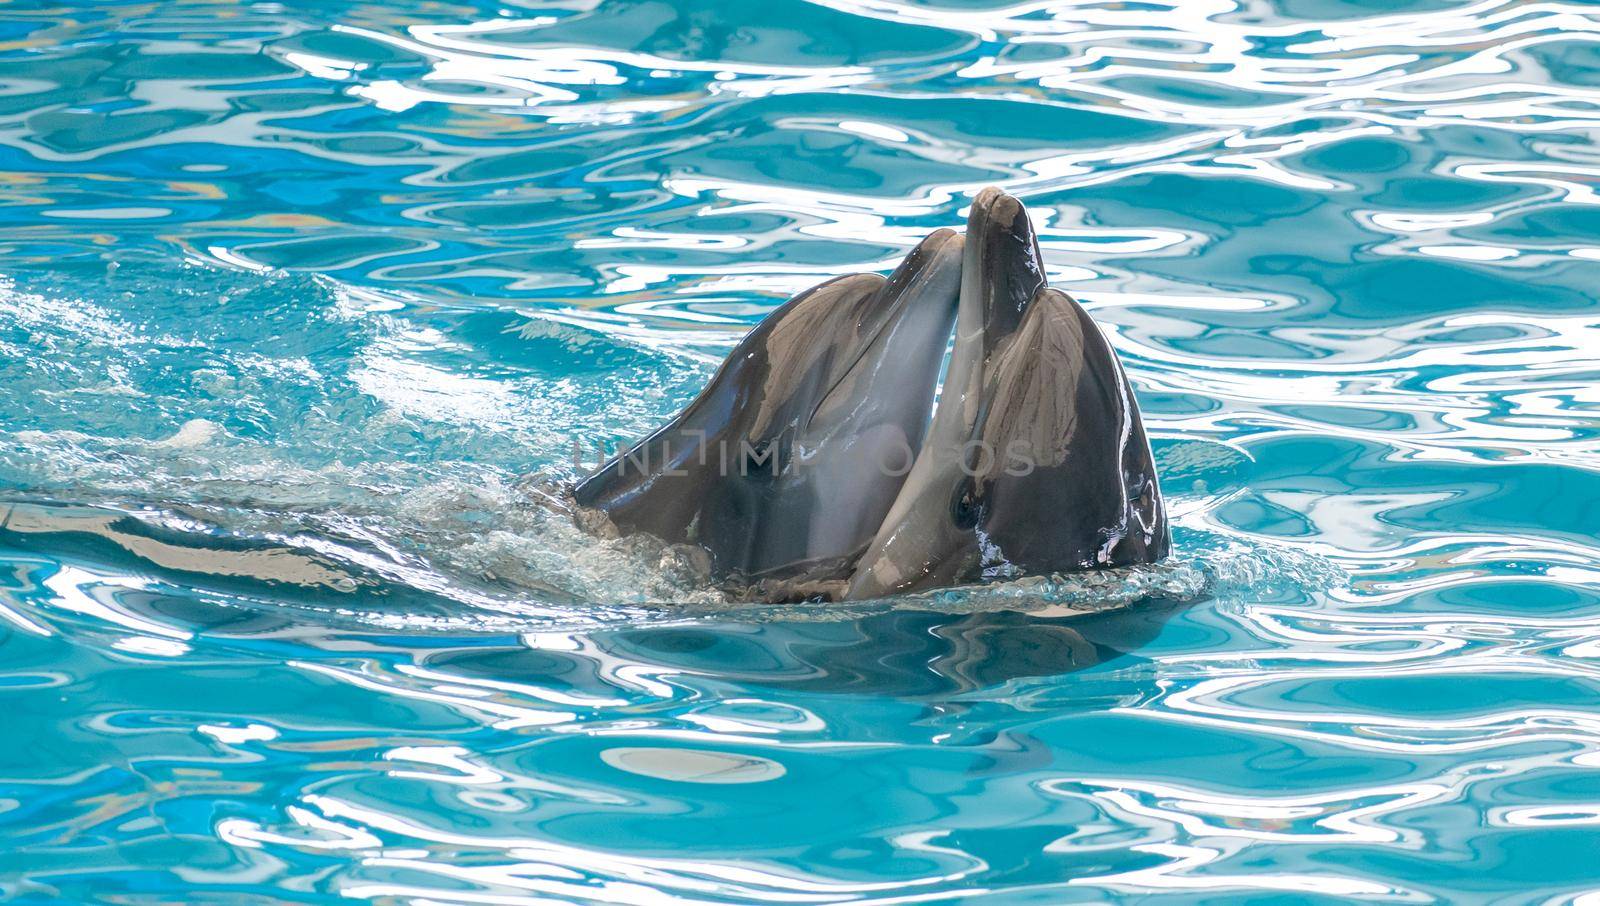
(783,467)
(1037,461)
(920,545)
(810,466)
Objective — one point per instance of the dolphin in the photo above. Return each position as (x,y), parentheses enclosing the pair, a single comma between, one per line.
(783,468)
(815,464)
(1001,270)
(1037,461)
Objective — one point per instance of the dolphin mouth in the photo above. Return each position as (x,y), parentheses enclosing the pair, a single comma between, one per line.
(1033,461)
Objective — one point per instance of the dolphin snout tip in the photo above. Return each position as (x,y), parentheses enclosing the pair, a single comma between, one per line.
(1007,210)
(942,240)
(988,195)
(994,208)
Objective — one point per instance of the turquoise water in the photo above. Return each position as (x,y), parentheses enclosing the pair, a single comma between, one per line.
(304,306)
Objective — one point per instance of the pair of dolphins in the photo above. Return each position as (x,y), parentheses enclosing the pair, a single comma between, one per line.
(810,466)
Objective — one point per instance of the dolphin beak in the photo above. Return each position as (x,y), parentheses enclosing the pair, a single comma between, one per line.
(1003,267)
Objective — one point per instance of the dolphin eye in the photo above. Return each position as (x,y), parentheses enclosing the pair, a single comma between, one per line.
(964,507)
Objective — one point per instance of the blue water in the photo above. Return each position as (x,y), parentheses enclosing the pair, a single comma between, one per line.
(304,306)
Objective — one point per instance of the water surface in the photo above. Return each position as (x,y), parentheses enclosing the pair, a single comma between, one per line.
(303,307)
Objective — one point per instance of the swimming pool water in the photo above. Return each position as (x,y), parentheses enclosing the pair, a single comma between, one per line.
(304,306)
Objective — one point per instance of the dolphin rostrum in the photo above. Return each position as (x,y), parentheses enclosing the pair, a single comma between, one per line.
(810,466)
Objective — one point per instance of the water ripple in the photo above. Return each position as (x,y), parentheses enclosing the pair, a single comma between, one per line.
(303,313)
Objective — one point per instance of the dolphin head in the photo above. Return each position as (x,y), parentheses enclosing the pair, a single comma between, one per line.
(1037,461)
(920,544)
(786,461)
